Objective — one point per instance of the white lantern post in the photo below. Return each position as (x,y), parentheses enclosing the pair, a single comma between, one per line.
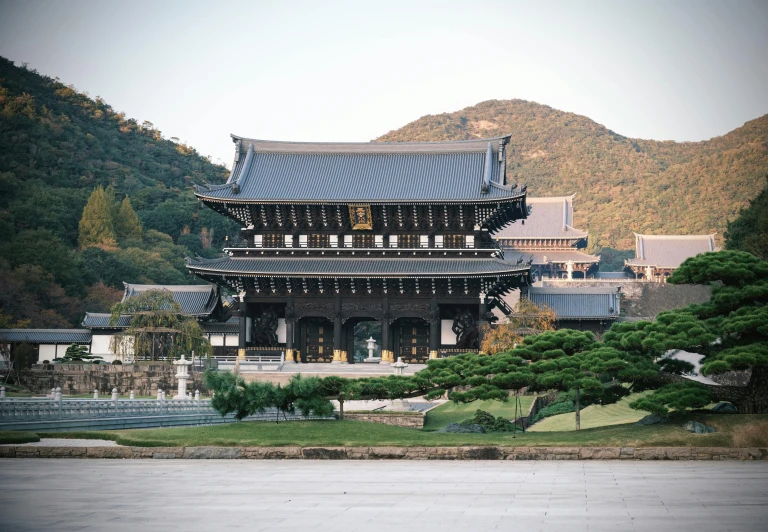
(182,375)
(371,347)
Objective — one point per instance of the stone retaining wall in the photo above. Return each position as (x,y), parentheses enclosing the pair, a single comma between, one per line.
(84,378)
(393,453)
(401,420)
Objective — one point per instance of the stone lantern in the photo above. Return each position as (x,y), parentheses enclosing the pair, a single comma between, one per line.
(182,375)
(371,347)
(399,366)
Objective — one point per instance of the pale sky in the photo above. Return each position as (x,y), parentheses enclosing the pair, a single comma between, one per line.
(333,71)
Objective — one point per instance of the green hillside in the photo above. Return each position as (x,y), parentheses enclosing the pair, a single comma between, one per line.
(56,146)
(623,185)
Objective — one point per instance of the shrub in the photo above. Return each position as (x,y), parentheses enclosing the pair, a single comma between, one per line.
(490,423)
(46,361)
(117,362)
(562,405)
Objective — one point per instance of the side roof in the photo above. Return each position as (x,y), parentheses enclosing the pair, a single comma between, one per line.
(100,320)
(549,218)
(194,300)
(46,336)
(587,303)
(669,251)
(373,172)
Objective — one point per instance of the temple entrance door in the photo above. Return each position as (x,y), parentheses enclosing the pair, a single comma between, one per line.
(318,340)
(412,341)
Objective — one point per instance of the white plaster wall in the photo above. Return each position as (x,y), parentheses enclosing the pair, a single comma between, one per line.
(281,330)
(447,336)
(49,352)
(217,340)
(100,344)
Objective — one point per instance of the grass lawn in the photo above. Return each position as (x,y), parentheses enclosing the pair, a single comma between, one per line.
(450,412)
(594,416)
(10,436)
(733,429)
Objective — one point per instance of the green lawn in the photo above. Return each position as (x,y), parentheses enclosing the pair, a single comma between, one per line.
(359,433)
(450,412)
(9,436)
(594,416)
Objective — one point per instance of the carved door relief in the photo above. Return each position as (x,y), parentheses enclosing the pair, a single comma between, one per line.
(319,341)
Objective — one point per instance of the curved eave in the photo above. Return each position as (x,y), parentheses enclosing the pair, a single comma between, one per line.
(437,201)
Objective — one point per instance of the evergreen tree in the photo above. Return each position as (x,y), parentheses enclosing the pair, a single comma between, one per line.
(96,227)
(749,232)
(127,224)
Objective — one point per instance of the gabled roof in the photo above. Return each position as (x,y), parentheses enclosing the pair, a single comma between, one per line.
(578,303)
(549,218)
(372,172)
(195,300)
(99,320)
(46,336)
(669,251)
(556,256)
(356,267)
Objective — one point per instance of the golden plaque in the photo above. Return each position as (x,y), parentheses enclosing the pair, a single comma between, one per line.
(360,217)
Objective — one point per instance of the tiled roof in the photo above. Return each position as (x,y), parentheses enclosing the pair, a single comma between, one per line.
(195,300)
(548,257)
(274,172)
(46,336)
(357,267)
(231,326)
(98,320)
(578,303)
(549,218)
(669,251)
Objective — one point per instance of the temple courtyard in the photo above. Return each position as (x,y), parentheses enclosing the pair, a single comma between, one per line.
(117,495)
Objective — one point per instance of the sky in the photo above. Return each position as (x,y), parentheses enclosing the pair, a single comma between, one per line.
(352,71)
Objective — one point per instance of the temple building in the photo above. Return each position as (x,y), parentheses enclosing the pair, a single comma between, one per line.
(657,256)
(549,238)
(334,234)
(202,302)
(584,308)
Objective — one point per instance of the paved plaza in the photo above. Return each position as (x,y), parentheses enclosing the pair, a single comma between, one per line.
(130,495)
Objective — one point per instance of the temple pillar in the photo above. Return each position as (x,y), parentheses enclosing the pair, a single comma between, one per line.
(386,337)
(242,315)
(339,356)
(290,321)
(434,328)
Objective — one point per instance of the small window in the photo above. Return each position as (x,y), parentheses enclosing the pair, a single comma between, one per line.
(333,241)
(438,241)
(393,241)
(424,241)
(288,240)
(347,241)
(379,241)
(302,241)
(258,241)
(470,241)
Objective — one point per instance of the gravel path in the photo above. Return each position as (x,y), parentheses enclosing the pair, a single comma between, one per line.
(64,442)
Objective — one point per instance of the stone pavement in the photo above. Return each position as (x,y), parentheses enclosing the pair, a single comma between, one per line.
(127,495)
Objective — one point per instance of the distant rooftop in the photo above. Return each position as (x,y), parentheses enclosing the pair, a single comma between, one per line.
(195,300)
(588,303)
(669,251)
(308,172)
(550,218)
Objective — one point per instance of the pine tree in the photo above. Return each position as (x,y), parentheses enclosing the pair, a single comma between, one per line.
(127,224)
(96,226)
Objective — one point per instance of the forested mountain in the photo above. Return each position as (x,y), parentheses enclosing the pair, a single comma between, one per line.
(623,185)
(56,147)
